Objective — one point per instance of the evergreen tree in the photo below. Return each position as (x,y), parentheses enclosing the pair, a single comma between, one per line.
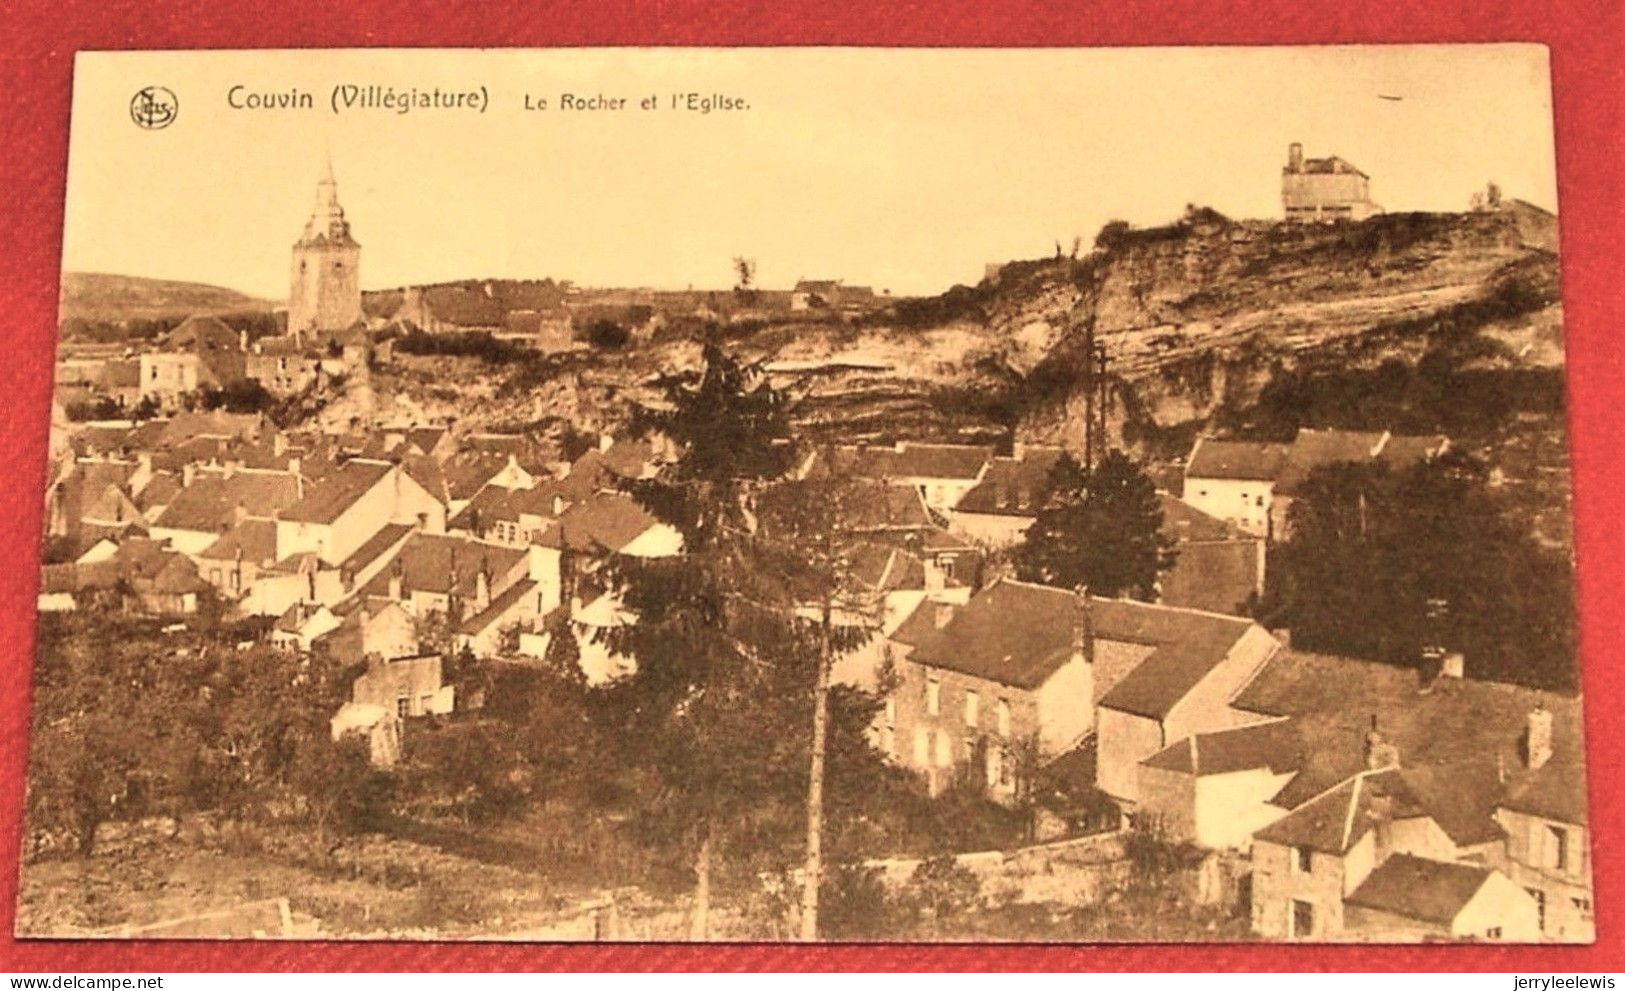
(1100,529)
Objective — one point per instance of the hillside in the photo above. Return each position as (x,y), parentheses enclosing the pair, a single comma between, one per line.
(1412,322)
(100,297)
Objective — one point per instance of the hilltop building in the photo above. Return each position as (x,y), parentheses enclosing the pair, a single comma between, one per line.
(325,294)
(1324,189)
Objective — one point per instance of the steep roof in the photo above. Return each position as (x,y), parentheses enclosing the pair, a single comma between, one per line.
(468,471)
(1190,644)
(1475,728)
(328,499)
(255,539)
(1335,820)
(427,562)
(1432,891)
(1014,486)
(608,520)
(201,333)
(210,502)
(869,506)
(1185,523)
(1246,460)
(377,545)
(499,605)
(1274,746)
(489,504)
(1019,634)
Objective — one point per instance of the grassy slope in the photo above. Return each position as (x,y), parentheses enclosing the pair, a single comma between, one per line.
(98,296)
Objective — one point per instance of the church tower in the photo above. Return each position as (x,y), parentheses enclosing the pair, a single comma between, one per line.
(326,286)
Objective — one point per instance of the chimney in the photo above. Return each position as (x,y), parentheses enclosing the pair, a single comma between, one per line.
(1018,450)
(1538,737)
(1453,665)
(1294,157)
(395,574)
(188,472)
(423,522)
(1083,630)
(242,340)
(239,513)
(605,442)
(1379,753)
(558,505)
(942,613)
(482,589)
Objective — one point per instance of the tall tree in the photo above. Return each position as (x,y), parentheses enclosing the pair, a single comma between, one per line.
(1369,548)
(1100,529)
(715,650)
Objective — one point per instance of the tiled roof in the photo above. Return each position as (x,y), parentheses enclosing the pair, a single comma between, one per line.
(499,605)
(1333,821)
(607,520)
(872,506)
(1184,522)
(468,471)
(1236,459)
(1274,746)
(1190,644)
(1433,891)
(427,561)
(1453,723)
(923,622)
(211,501)
(201,333)
(905,460)
(255,539)
(378,544)
(328,499)
(1013,487)
(489,504)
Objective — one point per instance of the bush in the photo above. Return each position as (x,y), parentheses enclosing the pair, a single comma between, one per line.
(942,887)
(608,335)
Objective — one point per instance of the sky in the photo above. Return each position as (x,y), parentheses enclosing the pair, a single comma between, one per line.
(903,169)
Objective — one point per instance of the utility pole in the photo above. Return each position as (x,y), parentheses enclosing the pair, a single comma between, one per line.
(814,869)
(1088,395)
(1101,395)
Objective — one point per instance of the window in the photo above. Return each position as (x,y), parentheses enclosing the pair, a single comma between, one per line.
(973,707)
(996,774)
(1584,905)
(1557,848)
(1302,922)
(945,756)
(933,696)
(1302,860)
(1493,932)
(922,746)
(403,706)
(1540,905)
(1004,717)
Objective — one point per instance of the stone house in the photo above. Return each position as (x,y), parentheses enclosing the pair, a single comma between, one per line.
(390,692)
(1324,189)
(339,514)
(1250,484)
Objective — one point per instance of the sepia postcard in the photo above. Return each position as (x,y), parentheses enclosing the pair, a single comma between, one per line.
(883,495)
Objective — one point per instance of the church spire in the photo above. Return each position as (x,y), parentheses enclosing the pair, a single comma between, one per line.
(327,221)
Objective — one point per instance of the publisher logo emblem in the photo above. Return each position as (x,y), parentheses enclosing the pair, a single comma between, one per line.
(154,107)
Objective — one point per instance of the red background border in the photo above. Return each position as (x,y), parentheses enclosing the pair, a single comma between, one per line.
(1586,39)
